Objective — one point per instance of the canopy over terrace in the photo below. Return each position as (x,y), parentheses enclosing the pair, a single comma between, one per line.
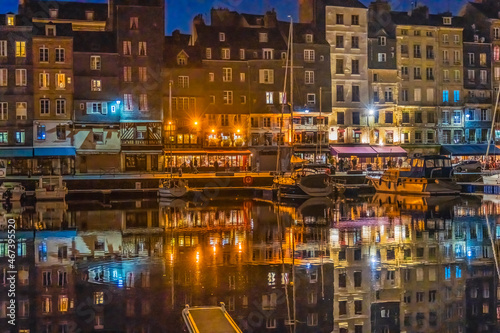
(469,150)
(368,151)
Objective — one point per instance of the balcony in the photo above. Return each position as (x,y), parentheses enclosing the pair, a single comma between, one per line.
(477,100)
(143,142)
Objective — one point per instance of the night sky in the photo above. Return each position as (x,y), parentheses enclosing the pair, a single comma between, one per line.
(181,12)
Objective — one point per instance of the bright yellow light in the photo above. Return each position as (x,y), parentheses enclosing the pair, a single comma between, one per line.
(213,131)
(239,246)
(195,123)
(197,257)
(238,130)
(215,249)
(170,123)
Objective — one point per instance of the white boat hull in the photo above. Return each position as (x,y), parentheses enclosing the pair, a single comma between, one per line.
(491,180)
(174,192)
(419,186)
(56,194)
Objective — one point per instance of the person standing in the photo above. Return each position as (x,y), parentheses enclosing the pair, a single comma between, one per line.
(195,165)
(216,166)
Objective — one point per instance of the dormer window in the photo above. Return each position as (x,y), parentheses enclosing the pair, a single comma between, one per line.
(447,20)
(263,37)
(222,37)
(89,15)
(50,30)
(10,19)
(182,58)
(309,38)
(53,12)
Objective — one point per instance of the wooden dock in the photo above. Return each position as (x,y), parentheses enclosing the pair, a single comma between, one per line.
(209,319)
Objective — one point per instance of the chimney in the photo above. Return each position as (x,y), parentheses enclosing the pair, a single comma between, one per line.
(110,23)
(23,6)
(270,20)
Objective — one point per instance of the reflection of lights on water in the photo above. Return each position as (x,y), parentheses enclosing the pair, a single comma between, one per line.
(308,265)
(374,260)
(239,247)
(197,257)
(120,282)
(215,249)
(115,274)
(469,253)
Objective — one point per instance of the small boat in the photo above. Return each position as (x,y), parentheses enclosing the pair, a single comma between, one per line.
(305,182)
(51,188)
(425,175)
(492,179)
(173,188)
(209,319)
(12,191)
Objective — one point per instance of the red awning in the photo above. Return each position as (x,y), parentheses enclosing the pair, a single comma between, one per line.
(394,151)
(348,151)
(341,130)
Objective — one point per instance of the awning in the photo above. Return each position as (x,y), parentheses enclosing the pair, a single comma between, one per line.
(97,151)
(229,152)
(54,151)
(348,151)
(390,151)
(469,150)
(16,152)
(184,152)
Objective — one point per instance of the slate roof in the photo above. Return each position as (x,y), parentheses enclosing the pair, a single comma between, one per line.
(175,44)
(402,18)
(248,38)
(345,3)
(67,10)
(299,32)
(486,9)
(95,41)
(20,20)
(62,29)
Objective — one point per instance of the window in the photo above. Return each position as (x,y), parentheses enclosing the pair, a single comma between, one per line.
(4,110)
(267,54)
(429,52)
(97,108)
(46,304)
(60,54)
(43,54)
(446,117)
(227,97)
(429,73)
(355,42)
(21,79)
(482,59)
(446,75)
(4,137)
(44,106)
(484,115)
(266,76)
(470,57)
(43,81)
(21,110)
(456,55)
(309,38)
(227,74)
(416,51)
(127,74)
(430,94)
(339,19)
(242,54)
(311,99)
(445,96)
(483,76)
(457,75)
(212,99)
(127,48)
(134,23)
(226,54)
(3,48)
(339,66)
(375,95)
(242,77)
(381,40)
(417,74)
(404,71)
(20,49)
(355,66)
(357,279)
(10,19)
(430,137)
(309,77)
(98,297)
(457,116)
(143,102)
(208,53)
(406,117)
(95,85)
(381,57)
(95,62)
(404,50)
(183,81)
(143,74)
(61,132)
(222,37)
(211,77)
(416,33)
(340,118)
(340,93)
(447,20)
(60,106)
(263,37)
(417,94)
(143,51)
(339,41)
(404,95)
(127,102)
(496,33)
(60,81)
(456,96)
(243,99)
(471,75)
(269,97)
(355,94)
(309,55)
(3,77)
(354,19)
(388,95)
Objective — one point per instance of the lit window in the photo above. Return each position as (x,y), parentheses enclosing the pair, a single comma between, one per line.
(269,97)
(134,23)
(95,85)
(21,110)
(63,303)
(309,55)
(127,74)
(142,49)
(60,81)
(208,53)
(4,110)
(263,37)
(143,102)
(95,62)
(43,81)
(222,37)
(143,74)
(20,136)
(3,48)
(228,97)
(266,76)
(20,49)
(98,297)
(21,77)
(127,47)
(127,101)
(226,54)
(10,19)
(3,77)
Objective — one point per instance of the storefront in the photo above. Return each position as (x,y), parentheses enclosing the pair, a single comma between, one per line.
(313,155)
(363,156)
(471,151)
(205,160)
(17,160)
(141,161)
(54,160)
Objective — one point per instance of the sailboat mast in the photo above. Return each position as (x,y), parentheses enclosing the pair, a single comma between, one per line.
(170,126)
(291,83)
(492,124)
(282,101)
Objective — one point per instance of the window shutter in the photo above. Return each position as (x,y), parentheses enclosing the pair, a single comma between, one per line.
(261,75)
(104,108)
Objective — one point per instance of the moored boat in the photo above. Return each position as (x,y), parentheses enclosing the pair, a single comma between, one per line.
(51,188)
(305,182)
(173,188)
(424,175)
(12,191)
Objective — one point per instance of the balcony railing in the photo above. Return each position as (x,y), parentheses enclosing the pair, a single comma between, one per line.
(144,142)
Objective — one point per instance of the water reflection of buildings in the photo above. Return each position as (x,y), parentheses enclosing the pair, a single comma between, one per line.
(384,264)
